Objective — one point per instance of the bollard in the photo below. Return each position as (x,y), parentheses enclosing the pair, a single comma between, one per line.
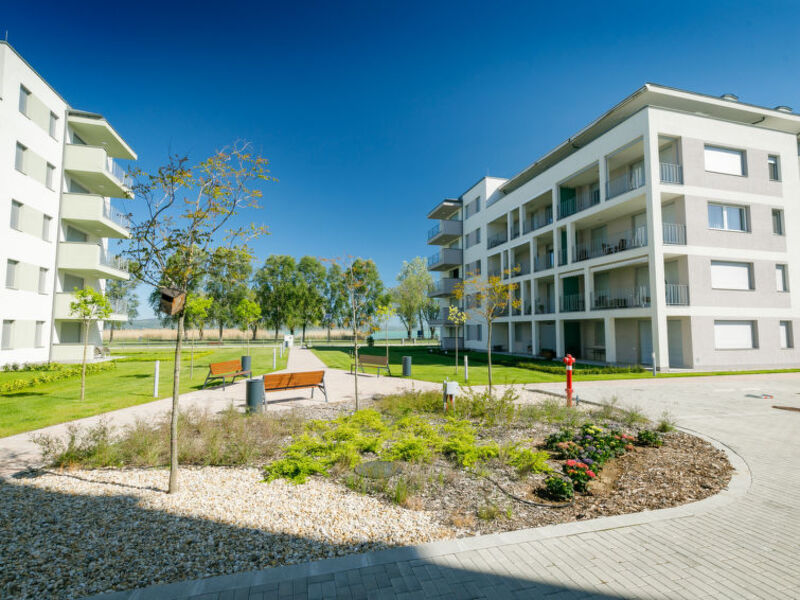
(254,393)
(274,359)
(247,363)
(569,361)
(155,383)
(466,368)
(654,363)
(406,366)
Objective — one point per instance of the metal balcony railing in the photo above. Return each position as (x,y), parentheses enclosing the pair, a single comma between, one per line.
(449,342)
(515,231)
(625,240)
(674,234)
(538,220)
(573,303)
(445,285)
(542,263)
(624,183)
(570,206)
(521,268)
(562,257)
(671,173)
(527,309)
(677,294)
(638,297)
(118,172)
(496,240)
(545,306)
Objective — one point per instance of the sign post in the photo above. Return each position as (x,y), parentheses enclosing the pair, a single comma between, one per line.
(466,368)
(155,382)
(569,361)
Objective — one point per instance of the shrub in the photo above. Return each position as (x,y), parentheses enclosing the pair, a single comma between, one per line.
(632,416)
(526,460)
(489,512)
(559,488)
(460,445)
(552,440)
(648,437)
(50,375)
(666,423)
(579,473)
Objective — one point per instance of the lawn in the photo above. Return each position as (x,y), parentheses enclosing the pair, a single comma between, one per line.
(130,383)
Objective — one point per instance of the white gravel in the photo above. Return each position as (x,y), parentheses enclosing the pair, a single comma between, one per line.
(73,533)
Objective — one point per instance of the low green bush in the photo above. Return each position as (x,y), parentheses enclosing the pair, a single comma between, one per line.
(559,488)
(525,460)
(54,373)
(648,437)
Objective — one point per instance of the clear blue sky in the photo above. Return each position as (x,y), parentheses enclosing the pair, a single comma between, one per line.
(372,112)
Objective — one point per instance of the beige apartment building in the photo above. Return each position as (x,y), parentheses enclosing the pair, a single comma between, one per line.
(665,232)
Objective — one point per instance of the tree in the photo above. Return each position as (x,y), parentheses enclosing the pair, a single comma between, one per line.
(188,211)
(121,295)
(88,306)
(335,302)
(411,293)
(310,292)
(385,313)
(229,270)
(488,299)
(195,313)
(276,290)
(246,313)
(430,311)
(457,318)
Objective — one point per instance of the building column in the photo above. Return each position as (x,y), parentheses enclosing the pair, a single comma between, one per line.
(559,338)
(603,170)
(570,242)
(588,288)
(534,337)
(611,339)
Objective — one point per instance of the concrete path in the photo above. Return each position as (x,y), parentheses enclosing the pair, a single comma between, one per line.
(742,543)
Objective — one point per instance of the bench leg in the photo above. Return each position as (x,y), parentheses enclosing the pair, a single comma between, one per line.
(324,390)
(206,381)
(312,393)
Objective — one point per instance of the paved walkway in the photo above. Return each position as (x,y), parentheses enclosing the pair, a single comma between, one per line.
(742,543)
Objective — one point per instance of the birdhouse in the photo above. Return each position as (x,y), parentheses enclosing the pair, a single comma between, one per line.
(172,301)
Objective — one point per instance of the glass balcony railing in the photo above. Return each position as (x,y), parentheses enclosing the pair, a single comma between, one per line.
(545,306)
(496,240)
(542,263)
(538,220)
(118,217)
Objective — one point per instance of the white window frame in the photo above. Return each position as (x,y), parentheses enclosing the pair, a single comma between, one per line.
(50,176)
(11,273)
(43,280)
(777,213)
(721,151)
(745,217)
(7,335)
(781,278)
(732,344)
(785,335)
(24,97)
(19,157)
(47,222)
(16,215)
(774,159)
(38,336)
(729,265)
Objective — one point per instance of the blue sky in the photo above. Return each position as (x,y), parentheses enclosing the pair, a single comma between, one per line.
(372,112)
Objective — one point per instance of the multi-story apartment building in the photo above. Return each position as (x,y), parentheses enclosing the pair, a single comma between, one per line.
(57,175)
(667,230)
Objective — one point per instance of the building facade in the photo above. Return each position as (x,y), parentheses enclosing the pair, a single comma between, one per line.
(665,232)
(57,178)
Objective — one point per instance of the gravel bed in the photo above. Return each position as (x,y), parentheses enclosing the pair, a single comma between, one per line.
(76,533)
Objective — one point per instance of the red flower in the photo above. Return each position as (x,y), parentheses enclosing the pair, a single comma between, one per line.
(628,446)
(591,474)
(571,463)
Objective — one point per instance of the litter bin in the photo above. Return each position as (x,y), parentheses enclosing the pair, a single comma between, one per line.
(246,362)
(255,395)
(406,366)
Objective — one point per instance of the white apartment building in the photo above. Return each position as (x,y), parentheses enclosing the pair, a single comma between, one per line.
(57,175)
(667,230)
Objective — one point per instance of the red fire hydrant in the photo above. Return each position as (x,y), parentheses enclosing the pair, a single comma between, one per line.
(569,361)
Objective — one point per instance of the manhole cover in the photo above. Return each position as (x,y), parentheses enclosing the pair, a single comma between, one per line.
(378,469)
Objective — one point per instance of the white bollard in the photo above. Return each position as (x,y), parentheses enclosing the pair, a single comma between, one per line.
(466,368)
(654,363)
(274,359)
(155,383)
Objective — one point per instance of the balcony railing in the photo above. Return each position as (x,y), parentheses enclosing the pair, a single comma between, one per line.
(677,294)
(674,234)
(638,297)
(515,231)
(624,183)
(119,307)
(118,217)
(495,273)
(626,240)
(434,230)
(562,257)
(449,342)
(496,240)
(527,309)
(570,206)
(671,173)
(542,263)
(573,303)
(521,268)
(538,220)
(444,286)
(110,260)
(118,172)
(545,306)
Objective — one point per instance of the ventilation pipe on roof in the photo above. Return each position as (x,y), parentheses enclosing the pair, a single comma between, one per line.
(784,109)
(731,97)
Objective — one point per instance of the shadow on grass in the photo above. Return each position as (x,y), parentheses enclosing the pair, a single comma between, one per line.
(21,394)
(116,544)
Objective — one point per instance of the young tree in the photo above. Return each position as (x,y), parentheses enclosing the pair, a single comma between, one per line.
(487,299)
(188,211)
(276,290)
(246,313)
(457,318)
(335,298)
(384,314)
(88,306)
(195,313)
(411,292)
(122,295)
(229,270)
(430,311)
(310,292)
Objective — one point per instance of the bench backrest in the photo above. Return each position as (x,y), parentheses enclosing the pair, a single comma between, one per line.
(369,359)
(279,381)
(228,366)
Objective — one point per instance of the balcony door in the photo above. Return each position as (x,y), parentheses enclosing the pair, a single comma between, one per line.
(645,342)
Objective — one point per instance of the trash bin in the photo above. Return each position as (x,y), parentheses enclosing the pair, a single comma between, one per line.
(406,366)
(246,362)
(255,395)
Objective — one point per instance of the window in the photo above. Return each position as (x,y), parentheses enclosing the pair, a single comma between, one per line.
(16,209)
(785,334)
(725,160)
(734,335)
(39,335)
(8,335)
(46,227)
(42,280)
(72,283)
(24,95)
(53,125)
(50,177)
(731,275)
(71,332)
(777,221)
(11,274)
(473,237)
(75,235)
(774,168)
(19,158)
(729,218)
(781,281)
(474,332)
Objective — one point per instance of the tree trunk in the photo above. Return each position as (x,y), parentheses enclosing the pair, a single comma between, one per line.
(329,333)
(220,330)
(456,351)
(303,341)
(255,331)
(489,352)
(276,333)
(200,330)
(355,350)
(408,329)
(173,429)
(83,368)
(111,332)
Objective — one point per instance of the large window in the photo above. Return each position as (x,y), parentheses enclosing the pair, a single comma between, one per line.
(774,166)
(11,274)
(19,158)
(731,275)
(735,335)
(16,209)
(46,220)
(785,334)
(472,238)
(24,96)
(39,334)
(53,126)
(42,280)
(50,177)
(729,218)
(777,221)
(725,160)
(781,280)
(7,335)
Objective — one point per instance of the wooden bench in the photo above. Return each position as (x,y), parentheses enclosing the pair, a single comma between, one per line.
(375,362)
(223,370)
(294,381)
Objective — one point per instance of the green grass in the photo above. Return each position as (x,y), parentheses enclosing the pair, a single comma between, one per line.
(129,384)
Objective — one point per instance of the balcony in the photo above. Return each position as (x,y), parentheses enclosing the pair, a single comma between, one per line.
(573,303)
(95,215)
(96,131)
(93,169)
(90,260)
(538,220)
(444,259)
(671,173)
(445,209)
(562,257)
(444,232)
(515,231)
(545,306)
(674,234)
(543,263)
(627,182)
(626,240)
(521,268)
(677,294)
(638,297)
(570,206)
(444,287)
(119,308)
(496,240)
(441,318)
